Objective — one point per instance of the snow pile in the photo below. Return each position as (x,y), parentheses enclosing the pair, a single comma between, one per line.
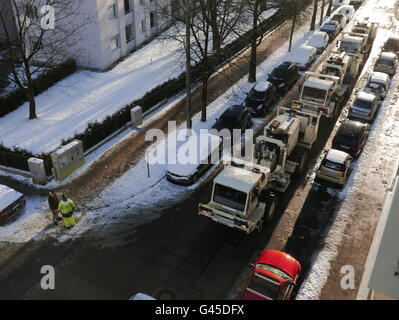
(386,144)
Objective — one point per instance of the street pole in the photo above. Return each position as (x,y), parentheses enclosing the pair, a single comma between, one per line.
(188,67)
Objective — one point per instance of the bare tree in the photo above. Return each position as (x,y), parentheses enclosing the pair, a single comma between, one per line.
(330,2)
(323,4)
(313,22)
(46,34)
(212,24)
(292,9)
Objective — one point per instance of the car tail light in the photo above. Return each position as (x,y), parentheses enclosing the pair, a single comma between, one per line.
(355,149)
(325,111)
(3,213)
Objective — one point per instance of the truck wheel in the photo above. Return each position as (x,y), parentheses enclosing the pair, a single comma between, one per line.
(302,163)
(300,156)
(270,208)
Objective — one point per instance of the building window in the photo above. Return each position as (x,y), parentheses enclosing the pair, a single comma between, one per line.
(129,33)
(127,6)
(115,43)
(113,11)
(152,19)
(142,25)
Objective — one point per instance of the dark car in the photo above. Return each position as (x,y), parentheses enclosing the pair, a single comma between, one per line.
(284,76)
(11,204)
(351,137)
(332,28)
(391,45)
(260,98)
(235,117)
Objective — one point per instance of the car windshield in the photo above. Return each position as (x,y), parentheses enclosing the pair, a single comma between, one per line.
(264,285)
(386,62)
(272,269)
(345,140)
(229,197)
(228,119)
(363,104)
(313,94)
(329,27)
(337,17)
(256,95)
(349,47)
(278,73)
(333,165)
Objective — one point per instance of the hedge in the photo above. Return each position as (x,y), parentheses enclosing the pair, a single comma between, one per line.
(15,99)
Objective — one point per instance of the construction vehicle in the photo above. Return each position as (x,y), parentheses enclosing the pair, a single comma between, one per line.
(245,192)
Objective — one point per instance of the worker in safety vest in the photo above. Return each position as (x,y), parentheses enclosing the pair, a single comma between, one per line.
(66,208)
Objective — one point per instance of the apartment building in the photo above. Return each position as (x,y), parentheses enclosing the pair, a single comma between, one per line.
(117,27)
(6,14)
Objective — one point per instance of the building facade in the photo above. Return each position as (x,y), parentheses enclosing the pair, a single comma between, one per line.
(6,14)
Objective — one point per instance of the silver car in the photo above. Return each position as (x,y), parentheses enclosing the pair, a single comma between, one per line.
(365,107)
(387,63)
(378,84)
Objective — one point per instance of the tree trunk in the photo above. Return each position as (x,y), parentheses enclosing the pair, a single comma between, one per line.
(32,102)
(216,41)
(322,11)
(252,61)
(313,23)
(292,30)
(204,97)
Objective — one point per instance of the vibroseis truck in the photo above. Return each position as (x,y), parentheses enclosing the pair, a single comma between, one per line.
(245,192)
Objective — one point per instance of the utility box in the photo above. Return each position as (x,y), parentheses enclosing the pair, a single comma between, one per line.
(37,170)
(67,159)
(136,115)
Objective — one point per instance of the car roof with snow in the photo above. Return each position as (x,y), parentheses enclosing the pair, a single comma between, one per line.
(238,178)
(262,86)
(317,38)
(337,156)
(351,128)
(352,38)
(8,196)
(366,96)
(379,77)
(388,55)
(302,53)
(202,145)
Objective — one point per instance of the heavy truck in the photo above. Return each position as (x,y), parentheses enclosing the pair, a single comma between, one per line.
(326,89)
(245,192)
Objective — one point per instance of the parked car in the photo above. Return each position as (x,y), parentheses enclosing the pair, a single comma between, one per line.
(142,296)
(235,117)
(348,11)
(261,97)
(12,204)
(391,45)
(332,28)
(284,76)
(303,56)
(387,63)
(356,3)
(351,137)
(378,84)
(273,277)
(337,3)
(318,40)
(335,168)
(205,148)
(341,18)
(365,107)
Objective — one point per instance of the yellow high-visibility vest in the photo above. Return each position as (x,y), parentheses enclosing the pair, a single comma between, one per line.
(66,206)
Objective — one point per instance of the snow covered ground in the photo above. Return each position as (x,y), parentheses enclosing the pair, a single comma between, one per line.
(381,147)
(128,200)
(86,97)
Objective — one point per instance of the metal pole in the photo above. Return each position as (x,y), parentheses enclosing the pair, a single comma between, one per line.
(188,65)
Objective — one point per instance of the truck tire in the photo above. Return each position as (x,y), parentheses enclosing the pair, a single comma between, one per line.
(271,206)
(300,156)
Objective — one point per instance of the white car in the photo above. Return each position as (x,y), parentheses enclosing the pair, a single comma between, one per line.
(337,3)
(318,40)
(348,11)
(335,167)
(304,56)
(378,84)
(194,157)
(12,203)
(387,63)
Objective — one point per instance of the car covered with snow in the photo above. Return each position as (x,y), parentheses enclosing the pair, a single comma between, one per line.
(378,84)
(261,97)
(387,62)
(337,3)
(12,203)
(272,277)
(194,157)
(235,117)
(318,40)
(284,76)
(334,168)
(348,11)
(332,28)
(365,107)
(351,137)
(303,56)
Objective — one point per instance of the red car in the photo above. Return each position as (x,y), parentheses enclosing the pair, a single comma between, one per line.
(273,277)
